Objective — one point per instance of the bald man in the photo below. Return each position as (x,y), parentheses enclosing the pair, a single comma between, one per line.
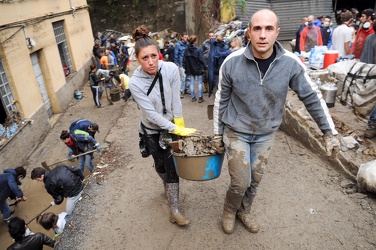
(248,109)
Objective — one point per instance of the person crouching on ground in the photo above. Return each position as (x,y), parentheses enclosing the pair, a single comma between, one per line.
(56,222)
(80,142)
(62,181)
(161,111)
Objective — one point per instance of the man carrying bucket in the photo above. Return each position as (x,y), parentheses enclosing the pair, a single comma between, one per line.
(248,108)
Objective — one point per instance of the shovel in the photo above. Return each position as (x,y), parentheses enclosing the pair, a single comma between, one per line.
(38,214)
(47,167)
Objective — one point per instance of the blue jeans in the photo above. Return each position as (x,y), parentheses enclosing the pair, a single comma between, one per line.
(5,210)
(184,80)
(86,159)
(192,85)
(372,119)
(248,155)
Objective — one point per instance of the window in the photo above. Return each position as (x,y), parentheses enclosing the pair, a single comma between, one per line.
(6,96)
(62,46)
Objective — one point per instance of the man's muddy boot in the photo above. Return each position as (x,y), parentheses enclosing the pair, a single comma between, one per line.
(163,177)
(249,223)
(370,133)
(173,200)
(228,221)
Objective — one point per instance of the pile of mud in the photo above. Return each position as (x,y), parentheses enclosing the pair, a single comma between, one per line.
(196,146)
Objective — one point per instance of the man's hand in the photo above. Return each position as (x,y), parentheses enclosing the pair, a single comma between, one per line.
(217,144)
(331,144)
(98,147)
(70,157)
(23,198)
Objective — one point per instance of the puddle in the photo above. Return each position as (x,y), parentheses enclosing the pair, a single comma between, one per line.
(37,200)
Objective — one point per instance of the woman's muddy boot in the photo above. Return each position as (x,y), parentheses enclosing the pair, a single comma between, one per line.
(163,177)
(173,200)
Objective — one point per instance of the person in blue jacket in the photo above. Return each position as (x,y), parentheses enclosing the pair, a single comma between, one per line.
(80,142)
(85,125)
(180,48)
(217,46)
(9,182)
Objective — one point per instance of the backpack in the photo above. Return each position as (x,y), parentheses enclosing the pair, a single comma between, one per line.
(356,85)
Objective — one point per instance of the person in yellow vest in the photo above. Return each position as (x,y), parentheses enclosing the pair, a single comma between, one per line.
(124,79)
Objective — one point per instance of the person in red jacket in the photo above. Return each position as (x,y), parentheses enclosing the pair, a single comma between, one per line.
(310,36)
(365,29)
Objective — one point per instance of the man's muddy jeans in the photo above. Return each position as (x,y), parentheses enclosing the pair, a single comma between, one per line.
(71,203)
(247,158)
(185,82)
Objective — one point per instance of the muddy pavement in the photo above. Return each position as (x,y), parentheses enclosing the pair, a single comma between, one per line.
(303,203)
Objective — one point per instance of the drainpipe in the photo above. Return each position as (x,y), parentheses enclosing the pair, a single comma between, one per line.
(72,7)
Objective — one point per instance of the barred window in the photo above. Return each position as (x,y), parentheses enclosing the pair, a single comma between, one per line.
(62,46)
(6,92)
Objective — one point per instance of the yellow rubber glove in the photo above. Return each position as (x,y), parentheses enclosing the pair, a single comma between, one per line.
(183,131)
(179,122)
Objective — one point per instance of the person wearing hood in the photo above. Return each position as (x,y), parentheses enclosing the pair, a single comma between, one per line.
(194,65)
(215,61)
(365,29)
(155,87)
(9,182)
(310,36)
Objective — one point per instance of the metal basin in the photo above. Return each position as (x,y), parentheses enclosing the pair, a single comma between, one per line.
(198,168)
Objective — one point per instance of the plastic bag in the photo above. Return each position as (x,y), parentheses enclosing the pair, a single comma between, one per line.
(366,177)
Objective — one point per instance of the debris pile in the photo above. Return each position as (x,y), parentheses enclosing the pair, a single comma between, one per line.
(194,146)
(13,123)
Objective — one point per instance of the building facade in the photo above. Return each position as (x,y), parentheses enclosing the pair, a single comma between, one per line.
(45,53)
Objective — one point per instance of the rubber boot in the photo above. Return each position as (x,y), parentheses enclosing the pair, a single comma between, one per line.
(249,223)
(173,200)
(228,221)
(163,177)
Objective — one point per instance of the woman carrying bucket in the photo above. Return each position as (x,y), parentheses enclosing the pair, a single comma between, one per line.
(155,86)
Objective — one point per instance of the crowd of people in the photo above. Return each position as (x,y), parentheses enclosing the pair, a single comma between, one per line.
(60,182)
(354,37)
(250,83)
(349,37)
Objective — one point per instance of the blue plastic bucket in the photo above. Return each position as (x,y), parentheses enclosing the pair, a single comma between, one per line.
(198,168)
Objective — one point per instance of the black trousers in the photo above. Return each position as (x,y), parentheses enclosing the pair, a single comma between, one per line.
(163,161)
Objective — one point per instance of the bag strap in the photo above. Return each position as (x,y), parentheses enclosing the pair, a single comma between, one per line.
(367,77)
(153,83)
(162,93)
(159,76)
